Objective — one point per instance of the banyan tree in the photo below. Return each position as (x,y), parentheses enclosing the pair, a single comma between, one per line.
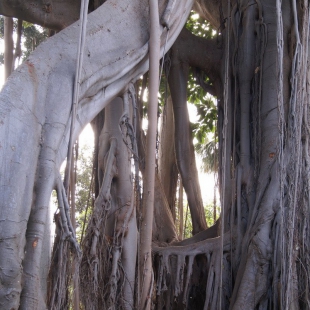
(97,68)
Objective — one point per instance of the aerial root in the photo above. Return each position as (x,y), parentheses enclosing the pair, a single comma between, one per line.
(116,253)
(64,210)
(126,128)
(210,281)
(184,257)
(201,247)
(179,275)
(59,274)
(114,277)
(96,246)
(102,268)
(102,203)
(188,275)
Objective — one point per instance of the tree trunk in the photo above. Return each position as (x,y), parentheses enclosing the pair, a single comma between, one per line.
(36,108)
(111,238)
(146,229)
(184,147)
(8,46)
(181,208)
(167,167)
(261,76)
(18,49)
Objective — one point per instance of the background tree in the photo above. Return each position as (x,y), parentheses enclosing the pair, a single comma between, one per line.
(28,37)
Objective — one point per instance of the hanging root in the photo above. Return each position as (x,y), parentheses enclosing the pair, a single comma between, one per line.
(108,265)
(122,258)
(59,275)
(127,129)
(64,211)
(61,264)
(178,264)
(114,277)
(96,246)
(103,201)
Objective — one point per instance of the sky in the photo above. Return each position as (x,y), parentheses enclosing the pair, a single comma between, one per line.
(206,180)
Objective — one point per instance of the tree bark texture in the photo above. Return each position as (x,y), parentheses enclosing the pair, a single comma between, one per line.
(8,46)
(167,166)
(111,239)
(35,112)
(145,252)
(264,259)
(264,182)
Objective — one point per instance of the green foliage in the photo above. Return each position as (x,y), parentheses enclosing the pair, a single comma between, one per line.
(204,128)
(205,133)
(83,185)
(1,27)
(1,37)
(199,27)
(209,213)
(209,155)
(15,22)
(188,225)
(33,35)
(207,113)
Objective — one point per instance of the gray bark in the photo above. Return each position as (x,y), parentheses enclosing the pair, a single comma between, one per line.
(8,46)
(35,117)
(266,253)
(54,15)
(167,166)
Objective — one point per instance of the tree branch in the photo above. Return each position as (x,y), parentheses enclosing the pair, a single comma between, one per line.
(55,15)
(200,53)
